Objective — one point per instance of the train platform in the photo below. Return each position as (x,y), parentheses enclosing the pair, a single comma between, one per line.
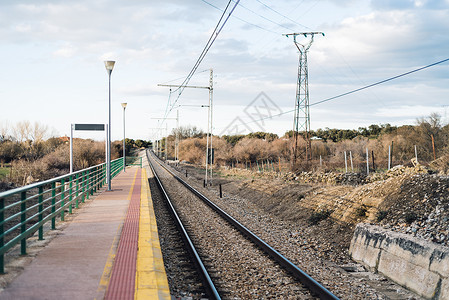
(109,250)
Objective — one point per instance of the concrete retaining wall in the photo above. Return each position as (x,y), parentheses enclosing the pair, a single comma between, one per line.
(418,265)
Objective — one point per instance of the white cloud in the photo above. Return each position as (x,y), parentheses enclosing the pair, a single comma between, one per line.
(408,111)
(66,51)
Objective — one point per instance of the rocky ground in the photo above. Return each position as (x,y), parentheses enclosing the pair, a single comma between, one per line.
(313,218)
(411,200)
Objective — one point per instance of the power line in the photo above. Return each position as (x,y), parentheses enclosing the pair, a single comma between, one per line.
(265,18)
(273,10)
(353,91)
(380,82)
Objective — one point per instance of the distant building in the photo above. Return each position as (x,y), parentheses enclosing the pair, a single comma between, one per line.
(65,139)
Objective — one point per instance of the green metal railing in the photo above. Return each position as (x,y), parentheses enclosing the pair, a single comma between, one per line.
(25,210)
(134,161)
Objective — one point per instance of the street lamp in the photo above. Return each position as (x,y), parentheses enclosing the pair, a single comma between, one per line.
(124,157)
(109,64)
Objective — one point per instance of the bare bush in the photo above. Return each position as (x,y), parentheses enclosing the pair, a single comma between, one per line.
(223,151)
(251,150)
(88,153)
(282,149)
(193,150)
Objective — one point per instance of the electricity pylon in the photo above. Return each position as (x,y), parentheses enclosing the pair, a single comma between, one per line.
(301,121)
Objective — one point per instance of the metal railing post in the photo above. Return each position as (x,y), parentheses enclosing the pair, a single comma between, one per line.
(70,193)
(98,178)
(41,208)
(77,189)
(62,198)
(83,186)
(94,187)
(103,174)
(2,238)
(53,205)
(23,225)
(91,182)
(88,184)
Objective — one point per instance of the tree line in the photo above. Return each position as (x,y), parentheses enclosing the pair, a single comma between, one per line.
(429,136)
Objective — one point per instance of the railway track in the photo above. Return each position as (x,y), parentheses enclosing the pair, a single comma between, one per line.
(183,277)
(234,262)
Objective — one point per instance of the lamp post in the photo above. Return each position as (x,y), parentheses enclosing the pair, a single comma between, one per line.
(124,154)
(109,66)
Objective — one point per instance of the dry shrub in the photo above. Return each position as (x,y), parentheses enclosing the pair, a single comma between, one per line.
(193,150)
(86,153)
(442,164)
(52,165)
(223,151)
(169,143)
(320,148)
(251,149)
(282,148)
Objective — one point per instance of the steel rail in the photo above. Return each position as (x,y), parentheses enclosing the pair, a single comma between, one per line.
(314,286)
(208,283)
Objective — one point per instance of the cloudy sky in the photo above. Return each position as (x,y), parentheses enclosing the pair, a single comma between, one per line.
(52,54)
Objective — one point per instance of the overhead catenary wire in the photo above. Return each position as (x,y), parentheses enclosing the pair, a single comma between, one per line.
(209,44)
(176,79)
(240,19)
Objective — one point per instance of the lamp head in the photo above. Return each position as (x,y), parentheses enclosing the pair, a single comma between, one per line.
(109,64)
(124,105)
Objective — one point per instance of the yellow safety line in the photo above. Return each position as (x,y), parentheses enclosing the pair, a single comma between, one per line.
(106,276)
(151,279)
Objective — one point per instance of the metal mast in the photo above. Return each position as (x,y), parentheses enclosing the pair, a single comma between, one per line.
(210,127)
(209,119)
(177,136)
(301,121)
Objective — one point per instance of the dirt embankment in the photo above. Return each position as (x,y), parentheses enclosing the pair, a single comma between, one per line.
(404,199)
